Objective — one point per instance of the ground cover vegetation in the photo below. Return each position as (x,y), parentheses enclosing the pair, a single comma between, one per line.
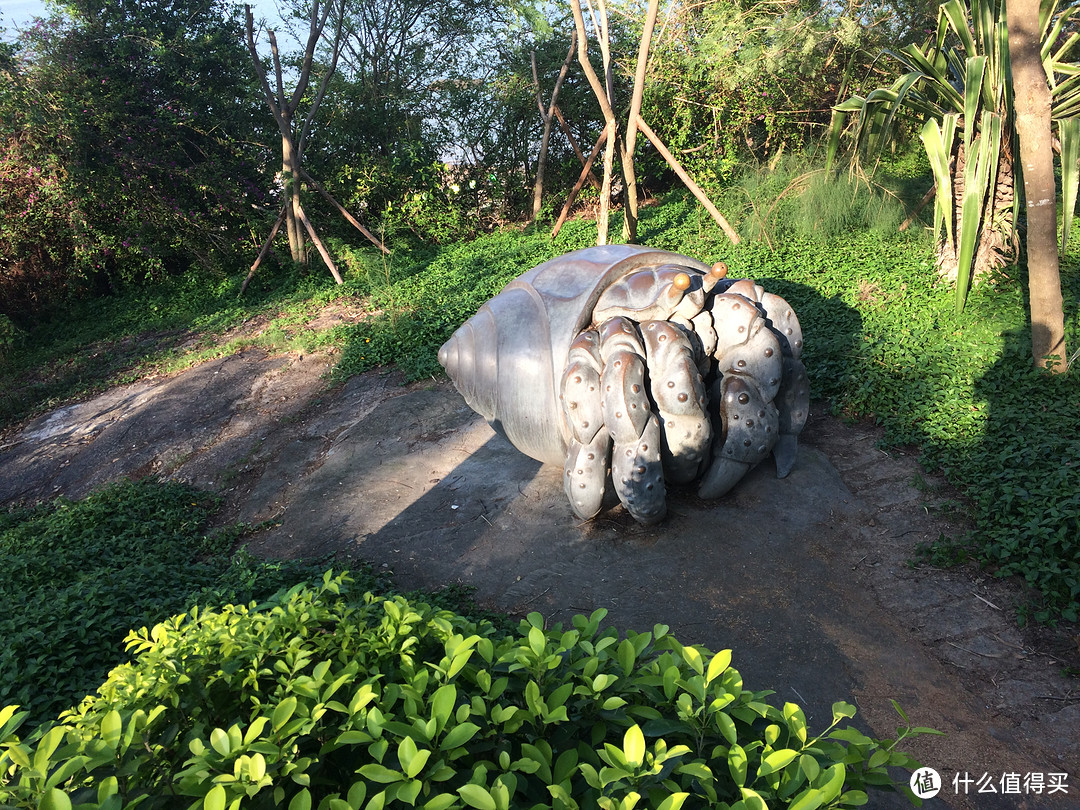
(140,177)
(327,695)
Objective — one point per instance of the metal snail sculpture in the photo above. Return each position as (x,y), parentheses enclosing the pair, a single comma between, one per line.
(637,366)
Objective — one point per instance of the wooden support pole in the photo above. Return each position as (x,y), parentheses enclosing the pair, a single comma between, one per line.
(695,189)
(574,145)
(265,248)
(585,172)
(918,208)
(352,221)
(318,244)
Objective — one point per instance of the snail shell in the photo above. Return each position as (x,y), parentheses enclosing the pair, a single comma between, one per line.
(508,359)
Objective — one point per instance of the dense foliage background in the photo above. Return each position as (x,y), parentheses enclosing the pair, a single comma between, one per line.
(138,144)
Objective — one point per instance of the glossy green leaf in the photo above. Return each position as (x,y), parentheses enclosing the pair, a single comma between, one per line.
(842,710)
(440,801)
(380,773)
(809,767)
(219,740)
(776,761)
(283,712)
(673,802)
(831,781)
(459,735)
(111,728)
(809,799)
(301,801)
(737,764)
(693,658)
(215,799)
(634,746)
(717,664)
(54,799)
(476,796)
(626,656)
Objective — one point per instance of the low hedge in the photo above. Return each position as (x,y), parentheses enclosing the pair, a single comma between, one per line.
(326,696)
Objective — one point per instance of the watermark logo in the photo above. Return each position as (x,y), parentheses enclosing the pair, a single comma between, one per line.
(925,783)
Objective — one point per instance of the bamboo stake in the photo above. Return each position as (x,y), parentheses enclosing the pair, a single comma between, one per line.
(695,189)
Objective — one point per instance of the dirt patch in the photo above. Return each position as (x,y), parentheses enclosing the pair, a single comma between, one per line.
(808,579)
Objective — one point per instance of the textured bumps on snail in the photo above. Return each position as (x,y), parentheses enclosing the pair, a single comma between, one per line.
(634,368)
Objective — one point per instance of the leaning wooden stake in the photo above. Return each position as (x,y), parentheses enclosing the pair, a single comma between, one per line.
(574,145)
(585,172)
(629,233)
(265,248)
(603,93)
(695,189)
(341,209)
(918,208)
(318,243)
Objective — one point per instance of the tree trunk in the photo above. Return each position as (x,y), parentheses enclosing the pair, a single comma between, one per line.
(601,91)
(995,248)
(1032,109)
(630,222)
(283,107)
(290,177)
(586,172)
(548,117)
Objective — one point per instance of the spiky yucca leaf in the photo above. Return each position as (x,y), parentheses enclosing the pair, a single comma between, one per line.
(1069,133)
(937,140)
(978,188)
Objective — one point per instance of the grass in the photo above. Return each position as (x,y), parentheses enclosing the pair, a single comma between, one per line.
(79,575)
(883,343)
(404,306)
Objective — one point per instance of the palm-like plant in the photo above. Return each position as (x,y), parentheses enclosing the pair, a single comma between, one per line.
(959,84)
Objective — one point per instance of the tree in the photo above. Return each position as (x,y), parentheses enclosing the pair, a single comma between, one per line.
(731,81)
(548,116)
(400,106)
(1033,129)
(141,118)
(959,85)
(294,132)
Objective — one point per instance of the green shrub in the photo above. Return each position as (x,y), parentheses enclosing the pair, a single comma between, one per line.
(332,697)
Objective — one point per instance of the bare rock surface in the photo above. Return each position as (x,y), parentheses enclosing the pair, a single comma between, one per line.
(808,580)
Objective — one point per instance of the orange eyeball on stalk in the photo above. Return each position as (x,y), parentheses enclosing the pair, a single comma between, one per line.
(681,282)
(719,270)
